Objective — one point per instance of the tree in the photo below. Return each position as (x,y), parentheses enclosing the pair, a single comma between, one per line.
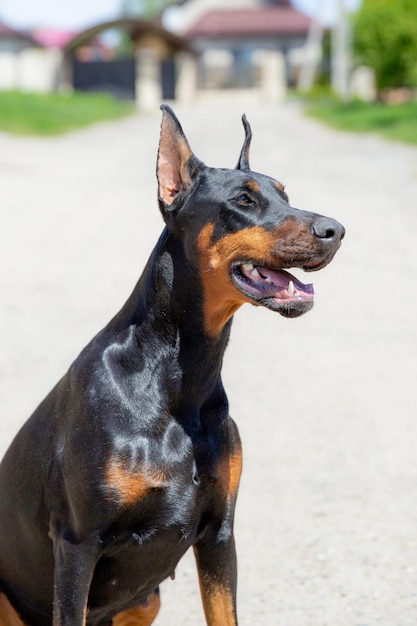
(385,38)
(142,8)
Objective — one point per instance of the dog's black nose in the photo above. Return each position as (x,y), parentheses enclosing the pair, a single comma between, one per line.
(327,229)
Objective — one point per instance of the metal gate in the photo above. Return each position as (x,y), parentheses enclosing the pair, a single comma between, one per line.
(116,77)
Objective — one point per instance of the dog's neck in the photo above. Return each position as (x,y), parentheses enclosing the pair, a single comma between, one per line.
(168,299)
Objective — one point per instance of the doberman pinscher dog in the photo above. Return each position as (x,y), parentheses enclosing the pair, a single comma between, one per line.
(133,458)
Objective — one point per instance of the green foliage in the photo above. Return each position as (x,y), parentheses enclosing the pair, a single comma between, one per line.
(143,8)
(394,122)
(385,38)
(53,114)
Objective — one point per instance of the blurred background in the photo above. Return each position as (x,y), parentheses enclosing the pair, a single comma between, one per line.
(342,56)
(326,404)
(147,50)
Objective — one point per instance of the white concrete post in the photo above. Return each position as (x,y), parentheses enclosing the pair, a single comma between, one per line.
(186,87)
(148,80)
(273,77)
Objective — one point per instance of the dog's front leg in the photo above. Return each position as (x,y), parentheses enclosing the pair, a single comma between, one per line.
(74,567)
(216,562)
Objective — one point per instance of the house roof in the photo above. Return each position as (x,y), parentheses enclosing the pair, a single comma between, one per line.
(10,33)
(282,21)
(52,37)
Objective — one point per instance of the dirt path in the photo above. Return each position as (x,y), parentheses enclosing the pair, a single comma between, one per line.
(326,404)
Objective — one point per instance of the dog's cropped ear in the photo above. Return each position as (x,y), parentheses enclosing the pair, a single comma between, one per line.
(243,163)
(176,164)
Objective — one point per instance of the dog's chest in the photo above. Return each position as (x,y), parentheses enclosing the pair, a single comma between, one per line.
(158,518)
(164,486)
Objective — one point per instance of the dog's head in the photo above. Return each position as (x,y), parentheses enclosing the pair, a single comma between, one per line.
(239,230)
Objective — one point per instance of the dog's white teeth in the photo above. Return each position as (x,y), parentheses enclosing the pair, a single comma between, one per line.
(248,267)
(255,273)
(268,280)
(290,288)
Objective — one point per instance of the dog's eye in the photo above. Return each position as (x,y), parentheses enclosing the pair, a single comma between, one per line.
(244,199)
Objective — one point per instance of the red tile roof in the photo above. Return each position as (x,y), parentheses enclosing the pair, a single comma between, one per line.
(52,37)
(254,22)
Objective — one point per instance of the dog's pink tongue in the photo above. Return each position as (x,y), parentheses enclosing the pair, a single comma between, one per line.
(282,280)
(276,282)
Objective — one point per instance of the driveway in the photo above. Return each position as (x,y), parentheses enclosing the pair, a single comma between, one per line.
(326,404)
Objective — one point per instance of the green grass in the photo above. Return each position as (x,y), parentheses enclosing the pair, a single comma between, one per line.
(54,114)
(396,122)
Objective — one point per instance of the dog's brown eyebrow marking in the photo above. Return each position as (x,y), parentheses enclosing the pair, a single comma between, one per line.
(252,185)
(281,191)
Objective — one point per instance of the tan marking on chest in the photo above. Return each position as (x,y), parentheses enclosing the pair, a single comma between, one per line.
(131,485)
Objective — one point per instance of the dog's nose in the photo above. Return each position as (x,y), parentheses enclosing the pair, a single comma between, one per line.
(328,230)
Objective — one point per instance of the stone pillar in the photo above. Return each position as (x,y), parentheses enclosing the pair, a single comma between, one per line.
(148,79)
(273,77)
(186,87)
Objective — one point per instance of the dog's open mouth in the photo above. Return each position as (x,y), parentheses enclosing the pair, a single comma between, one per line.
(276,289)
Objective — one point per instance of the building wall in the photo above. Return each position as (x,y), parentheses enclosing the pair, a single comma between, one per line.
(31,69)
(238,62)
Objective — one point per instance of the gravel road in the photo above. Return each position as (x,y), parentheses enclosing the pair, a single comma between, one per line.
(326,404)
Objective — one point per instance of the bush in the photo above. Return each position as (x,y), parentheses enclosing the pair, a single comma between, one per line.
(385,38)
